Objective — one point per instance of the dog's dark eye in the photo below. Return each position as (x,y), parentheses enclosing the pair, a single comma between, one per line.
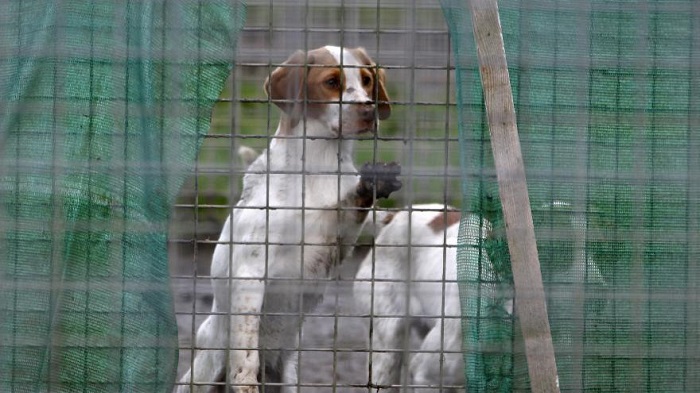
(366,80)
(333,83)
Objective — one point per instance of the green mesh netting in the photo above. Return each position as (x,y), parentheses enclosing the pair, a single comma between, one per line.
(606,95)
(103,106)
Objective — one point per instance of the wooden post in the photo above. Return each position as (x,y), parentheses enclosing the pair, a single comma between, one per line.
(530,301)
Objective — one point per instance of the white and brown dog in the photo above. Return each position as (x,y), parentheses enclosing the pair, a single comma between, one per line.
(409,282)
(302,207)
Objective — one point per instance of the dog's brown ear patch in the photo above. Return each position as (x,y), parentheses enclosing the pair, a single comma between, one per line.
(383,108)
(382,99)
(444,220)
(285,85)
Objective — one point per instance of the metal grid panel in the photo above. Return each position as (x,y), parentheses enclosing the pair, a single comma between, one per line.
(410,41)
(606,123)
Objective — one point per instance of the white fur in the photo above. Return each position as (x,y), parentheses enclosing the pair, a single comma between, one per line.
(354,93)
(397,283)
(402,287)
(247,155)
(292,194)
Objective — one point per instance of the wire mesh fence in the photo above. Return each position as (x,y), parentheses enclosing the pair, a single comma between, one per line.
(412,45)
(105,106)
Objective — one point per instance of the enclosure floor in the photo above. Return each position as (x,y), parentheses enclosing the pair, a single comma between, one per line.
(317,367)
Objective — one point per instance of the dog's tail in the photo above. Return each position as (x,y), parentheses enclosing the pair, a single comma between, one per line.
(247,155)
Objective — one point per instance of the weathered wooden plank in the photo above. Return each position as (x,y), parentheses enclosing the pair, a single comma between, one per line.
(529,291)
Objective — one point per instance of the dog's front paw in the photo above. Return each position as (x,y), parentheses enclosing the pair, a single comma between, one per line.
(380,179)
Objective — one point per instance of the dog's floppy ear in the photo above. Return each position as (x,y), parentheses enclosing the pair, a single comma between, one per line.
(383,106)
(285,85)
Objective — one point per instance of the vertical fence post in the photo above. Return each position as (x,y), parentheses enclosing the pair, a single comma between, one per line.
(529,292)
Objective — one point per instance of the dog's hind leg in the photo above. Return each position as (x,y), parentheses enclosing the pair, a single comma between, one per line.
(440,362)
(208,364)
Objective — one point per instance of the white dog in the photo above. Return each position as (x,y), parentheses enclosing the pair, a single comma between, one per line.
(409,283)
(302,206)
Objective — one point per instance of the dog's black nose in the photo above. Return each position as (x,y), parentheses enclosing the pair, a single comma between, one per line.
(368,111)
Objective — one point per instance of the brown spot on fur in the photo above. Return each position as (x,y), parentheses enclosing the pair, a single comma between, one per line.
(364,199)
(361,215)
(444,220)
(388,218)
